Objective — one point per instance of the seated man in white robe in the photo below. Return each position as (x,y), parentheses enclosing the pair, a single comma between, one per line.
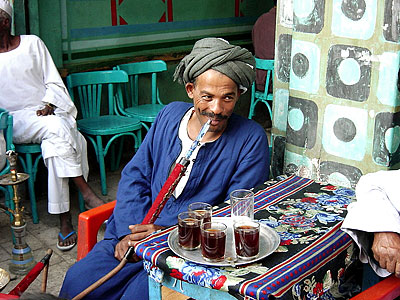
(374,221)
(32,90)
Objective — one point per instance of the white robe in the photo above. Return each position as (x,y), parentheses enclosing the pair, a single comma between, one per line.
(376,210)
(28,80)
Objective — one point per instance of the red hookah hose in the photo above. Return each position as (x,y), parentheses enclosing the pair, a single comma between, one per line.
(166,192)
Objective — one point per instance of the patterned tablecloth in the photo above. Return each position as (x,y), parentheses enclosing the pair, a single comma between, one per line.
(310,263)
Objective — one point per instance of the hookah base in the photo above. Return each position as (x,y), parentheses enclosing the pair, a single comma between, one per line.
(22,261)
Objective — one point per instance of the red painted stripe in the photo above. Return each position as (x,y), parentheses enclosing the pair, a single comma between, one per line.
(237,7)
(122,21)
(163,18)
(113,13)
(170,14)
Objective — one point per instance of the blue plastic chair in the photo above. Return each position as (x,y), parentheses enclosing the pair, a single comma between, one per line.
(263,96)
(6,124)
(101,120)
(134,105)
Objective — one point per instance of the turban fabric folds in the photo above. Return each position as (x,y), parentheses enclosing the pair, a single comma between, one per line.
(214,53)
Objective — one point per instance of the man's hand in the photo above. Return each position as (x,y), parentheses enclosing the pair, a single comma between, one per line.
(139,232)
(386,249)
(47,110)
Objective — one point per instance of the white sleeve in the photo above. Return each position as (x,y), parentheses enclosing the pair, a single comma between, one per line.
(56,92)
(376,210)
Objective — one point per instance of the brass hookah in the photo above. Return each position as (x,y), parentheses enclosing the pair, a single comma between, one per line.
(22,258)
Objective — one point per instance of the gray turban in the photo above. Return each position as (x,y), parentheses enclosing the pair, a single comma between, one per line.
(214,53)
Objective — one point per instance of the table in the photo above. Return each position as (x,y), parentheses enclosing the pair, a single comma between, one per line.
(310,263)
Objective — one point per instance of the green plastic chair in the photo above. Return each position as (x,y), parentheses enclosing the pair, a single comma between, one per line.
(263,96)
(6,124)
(29,156)
(100,121)
(134,105)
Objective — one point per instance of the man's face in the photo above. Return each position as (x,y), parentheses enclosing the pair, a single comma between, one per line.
(214,97)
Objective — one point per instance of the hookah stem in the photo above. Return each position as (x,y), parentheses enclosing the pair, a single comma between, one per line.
(46,272)
(156,208)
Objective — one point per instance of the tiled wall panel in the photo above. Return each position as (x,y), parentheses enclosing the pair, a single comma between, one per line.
(336,97)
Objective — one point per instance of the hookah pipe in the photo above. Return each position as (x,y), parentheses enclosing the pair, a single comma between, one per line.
(155,209)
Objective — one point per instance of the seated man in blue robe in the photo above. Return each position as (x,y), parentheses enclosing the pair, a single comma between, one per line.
(232,155)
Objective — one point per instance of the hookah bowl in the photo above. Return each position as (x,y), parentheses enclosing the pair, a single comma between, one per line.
(22,258)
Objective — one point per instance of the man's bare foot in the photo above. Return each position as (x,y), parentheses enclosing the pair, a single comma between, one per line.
(67,236)
(91,199)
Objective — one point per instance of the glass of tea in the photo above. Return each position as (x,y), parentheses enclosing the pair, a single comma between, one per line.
(213,238)
(242,204)
(189,230)
(247,239)
(204,209)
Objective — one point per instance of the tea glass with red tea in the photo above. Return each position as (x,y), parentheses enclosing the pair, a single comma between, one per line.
(247,239)
(213,239)
(189,230)
(242,204)
(202,208)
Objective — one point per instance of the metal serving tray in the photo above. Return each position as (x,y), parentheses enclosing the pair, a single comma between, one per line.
(269,242)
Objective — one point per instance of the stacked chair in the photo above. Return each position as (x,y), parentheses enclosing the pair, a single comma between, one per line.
(135,105)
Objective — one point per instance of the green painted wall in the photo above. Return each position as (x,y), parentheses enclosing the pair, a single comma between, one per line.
(85,35)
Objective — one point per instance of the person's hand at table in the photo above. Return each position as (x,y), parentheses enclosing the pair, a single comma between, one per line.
(138,232)
(386,249)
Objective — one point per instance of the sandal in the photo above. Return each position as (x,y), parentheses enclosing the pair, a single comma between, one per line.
(63,238)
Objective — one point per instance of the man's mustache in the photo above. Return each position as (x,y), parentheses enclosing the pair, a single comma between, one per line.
(213,116)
